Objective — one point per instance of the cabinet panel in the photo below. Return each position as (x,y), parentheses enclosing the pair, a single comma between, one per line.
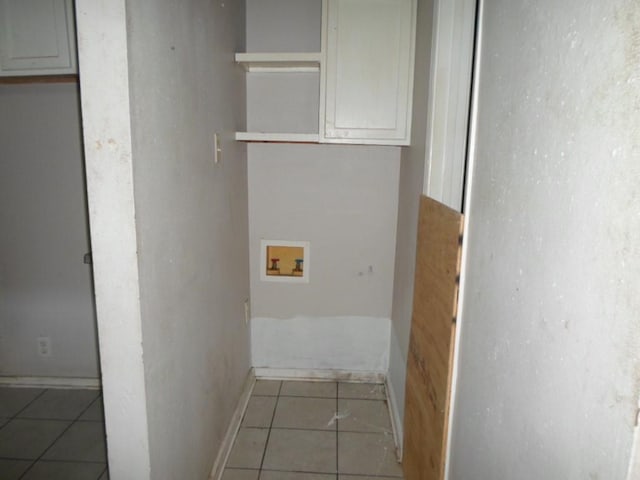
(37,37)
(368,74)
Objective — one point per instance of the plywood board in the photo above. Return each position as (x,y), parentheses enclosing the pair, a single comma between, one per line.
(428,385)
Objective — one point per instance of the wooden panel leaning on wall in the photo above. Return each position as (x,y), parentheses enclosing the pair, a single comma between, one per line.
(431,343)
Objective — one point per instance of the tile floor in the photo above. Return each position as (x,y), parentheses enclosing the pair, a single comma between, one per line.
(291,431)
(296,430)
(51,434)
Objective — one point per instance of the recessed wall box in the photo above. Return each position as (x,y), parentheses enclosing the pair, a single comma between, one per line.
(284,261)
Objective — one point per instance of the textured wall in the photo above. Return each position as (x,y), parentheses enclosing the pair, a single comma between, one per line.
(170,227)
(106,122)
(548,367)
(192,225)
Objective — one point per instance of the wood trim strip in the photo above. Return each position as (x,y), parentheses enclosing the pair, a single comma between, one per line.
(27,79)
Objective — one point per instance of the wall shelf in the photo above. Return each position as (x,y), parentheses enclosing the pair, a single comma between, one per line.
(277,137)
(279,62)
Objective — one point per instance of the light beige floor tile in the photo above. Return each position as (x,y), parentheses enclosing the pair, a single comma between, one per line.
(301,451)
(309,389)
(60,404)
(13,469)
(266,475)
(267,388)
(364,391)
(363,416)
(28,439)
(64,471)
(240,474)
(259,412)
(12,400)
(367,454)
(95,412)
(248,448)
(305,413)
(82,442)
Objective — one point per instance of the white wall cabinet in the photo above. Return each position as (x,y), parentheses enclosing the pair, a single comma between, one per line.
(37,37)
(368,48)
(365,87)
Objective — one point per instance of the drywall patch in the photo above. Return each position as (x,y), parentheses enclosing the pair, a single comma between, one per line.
(342,343)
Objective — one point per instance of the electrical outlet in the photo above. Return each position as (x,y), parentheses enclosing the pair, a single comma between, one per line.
(247,312)
(44,346)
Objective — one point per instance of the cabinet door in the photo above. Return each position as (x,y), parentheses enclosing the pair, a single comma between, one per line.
(368,71)
(37,37)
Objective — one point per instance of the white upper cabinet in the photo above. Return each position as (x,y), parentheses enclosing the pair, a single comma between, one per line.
(37,37)
(367,74)
(329,71)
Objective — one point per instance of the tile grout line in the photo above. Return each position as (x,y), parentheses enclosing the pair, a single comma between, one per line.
(15,417)
(97,399)
(308,396)
(73,422)
(305,429)
(273,416)
(84,462)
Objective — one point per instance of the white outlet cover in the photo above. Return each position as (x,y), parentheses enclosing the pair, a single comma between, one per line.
(44,346)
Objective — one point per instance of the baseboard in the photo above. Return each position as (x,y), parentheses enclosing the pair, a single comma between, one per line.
(396,421)
(319,375)
(234,426)
(51,382)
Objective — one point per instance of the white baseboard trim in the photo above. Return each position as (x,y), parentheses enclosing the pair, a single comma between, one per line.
(234,426)
(319,375)
(396,421)
(51,382)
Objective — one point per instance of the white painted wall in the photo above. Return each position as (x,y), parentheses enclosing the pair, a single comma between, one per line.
(104,82)
(343,200)
(412,168)
(548,368)
(45,288)
(191,217)
(169,227)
